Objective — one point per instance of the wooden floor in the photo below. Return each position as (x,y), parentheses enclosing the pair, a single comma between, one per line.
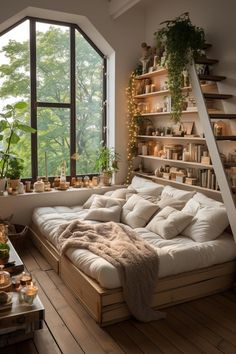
(203,326)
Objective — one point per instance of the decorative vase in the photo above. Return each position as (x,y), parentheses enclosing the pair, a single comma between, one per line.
(106,178)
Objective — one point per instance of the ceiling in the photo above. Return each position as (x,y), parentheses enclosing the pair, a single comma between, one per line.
(118,7)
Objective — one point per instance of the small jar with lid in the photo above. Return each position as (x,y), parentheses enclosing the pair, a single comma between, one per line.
(39,186)
(5,280)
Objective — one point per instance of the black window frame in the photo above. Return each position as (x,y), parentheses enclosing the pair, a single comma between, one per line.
(34,104)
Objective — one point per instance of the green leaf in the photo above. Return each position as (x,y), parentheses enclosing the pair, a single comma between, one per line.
(3,125)
(14,138)
(20,105)
(26,128)
(1,137)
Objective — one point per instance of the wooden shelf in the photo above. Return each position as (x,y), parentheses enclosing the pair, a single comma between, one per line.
(178,162)
(164,113)
(170,137)
(166,92)
(158,72)
(174,183)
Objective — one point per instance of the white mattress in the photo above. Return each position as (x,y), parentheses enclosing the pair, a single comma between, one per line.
(178,255)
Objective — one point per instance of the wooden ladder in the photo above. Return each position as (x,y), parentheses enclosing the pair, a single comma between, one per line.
(205,120)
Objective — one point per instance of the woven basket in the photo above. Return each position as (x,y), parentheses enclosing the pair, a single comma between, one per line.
(18,237)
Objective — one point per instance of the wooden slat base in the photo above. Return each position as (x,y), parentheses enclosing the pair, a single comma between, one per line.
(107,306)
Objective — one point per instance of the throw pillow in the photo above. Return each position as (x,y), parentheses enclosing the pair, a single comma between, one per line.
(169,222)
(172,202)
(137,211)
(172,192)
(104,214)
(207,225)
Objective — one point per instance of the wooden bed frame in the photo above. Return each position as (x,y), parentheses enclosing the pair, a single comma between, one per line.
(107,306)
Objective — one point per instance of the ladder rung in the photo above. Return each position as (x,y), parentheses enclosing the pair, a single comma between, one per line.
(217,96)
(204,60)
(222,116)
(226,137)
(211,77)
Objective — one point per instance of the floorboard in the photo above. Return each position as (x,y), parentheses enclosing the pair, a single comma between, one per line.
(206,326)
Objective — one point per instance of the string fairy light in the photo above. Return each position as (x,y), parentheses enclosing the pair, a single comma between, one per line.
(132,113)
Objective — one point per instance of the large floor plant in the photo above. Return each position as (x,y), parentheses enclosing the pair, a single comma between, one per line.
(182,42)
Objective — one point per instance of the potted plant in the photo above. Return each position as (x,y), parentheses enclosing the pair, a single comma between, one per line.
(15,168)
(4,253)
(183,42)
(11,126)
(107,164)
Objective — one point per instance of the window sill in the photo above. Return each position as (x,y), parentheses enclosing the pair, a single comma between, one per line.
(54,191)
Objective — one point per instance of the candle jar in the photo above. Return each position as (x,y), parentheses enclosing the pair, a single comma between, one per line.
(5,280)
(25,279)
(29,293)
(95,181)
(86,181)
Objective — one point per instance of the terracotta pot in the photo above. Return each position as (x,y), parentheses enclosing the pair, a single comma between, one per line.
(14,183)
(106,178)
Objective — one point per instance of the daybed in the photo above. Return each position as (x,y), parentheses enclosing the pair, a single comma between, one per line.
(197,261)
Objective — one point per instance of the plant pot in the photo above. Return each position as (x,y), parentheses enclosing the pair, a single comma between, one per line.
(4,260)
(2,184)
(14,183)
(105,178)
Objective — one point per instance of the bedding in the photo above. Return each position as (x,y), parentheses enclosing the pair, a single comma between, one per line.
(127,252)
(178,255)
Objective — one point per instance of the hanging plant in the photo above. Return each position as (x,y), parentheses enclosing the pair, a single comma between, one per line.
(183,42)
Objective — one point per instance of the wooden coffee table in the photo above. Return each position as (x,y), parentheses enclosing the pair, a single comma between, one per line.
(19,322)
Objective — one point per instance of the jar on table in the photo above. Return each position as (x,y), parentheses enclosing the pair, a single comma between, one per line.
(39,186)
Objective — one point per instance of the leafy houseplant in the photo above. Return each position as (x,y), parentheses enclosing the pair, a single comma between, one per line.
(10,129)
(107,163)
(183,42)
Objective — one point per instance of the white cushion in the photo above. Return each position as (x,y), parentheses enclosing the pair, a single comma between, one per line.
(101,201)
(172,192)
(191,207)
(208,223)
(137,211)
(89,201)
(122,193)
(169,222)
(172,202)
(104,214)
(206,201)
(142,185)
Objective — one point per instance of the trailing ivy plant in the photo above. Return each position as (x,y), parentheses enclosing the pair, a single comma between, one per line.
(183,42)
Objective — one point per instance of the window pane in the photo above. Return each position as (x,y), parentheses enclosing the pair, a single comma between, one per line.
(15,85)
(53,63)
(89,98)
(54,139)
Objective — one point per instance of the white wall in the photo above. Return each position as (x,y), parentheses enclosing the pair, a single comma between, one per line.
(118,39)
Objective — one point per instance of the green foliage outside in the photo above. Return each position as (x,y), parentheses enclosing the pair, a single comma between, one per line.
(53,85)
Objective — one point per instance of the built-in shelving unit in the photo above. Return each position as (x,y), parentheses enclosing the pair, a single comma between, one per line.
(174,138)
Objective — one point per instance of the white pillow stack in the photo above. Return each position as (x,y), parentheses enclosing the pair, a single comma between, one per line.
(210,218)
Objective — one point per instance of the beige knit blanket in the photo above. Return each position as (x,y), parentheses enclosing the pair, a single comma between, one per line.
(137,261)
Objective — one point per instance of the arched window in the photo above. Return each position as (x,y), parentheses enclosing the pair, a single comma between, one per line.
(60,73)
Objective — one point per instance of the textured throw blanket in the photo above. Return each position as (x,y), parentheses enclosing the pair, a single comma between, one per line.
(137,262)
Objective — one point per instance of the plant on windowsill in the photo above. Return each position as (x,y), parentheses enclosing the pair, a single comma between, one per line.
(183,42)
(107,164)
(15,169)
(11,127)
